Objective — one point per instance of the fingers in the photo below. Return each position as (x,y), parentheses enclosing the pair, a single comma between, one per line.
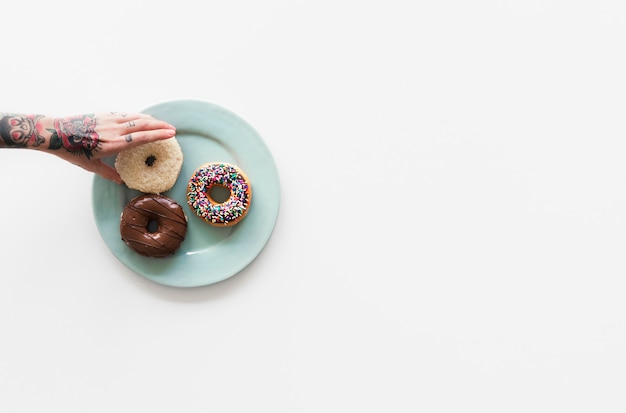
(144,124)
(121,117)
(132,122)
(133,139)
(118,133)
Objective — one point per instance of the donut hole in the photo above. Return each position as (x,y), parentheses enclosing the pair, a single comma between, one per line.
(153,226)
(219,193)
(150,160)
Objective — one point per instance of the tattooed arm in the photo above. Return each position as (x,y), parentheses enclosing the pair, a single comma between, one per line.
(83,139)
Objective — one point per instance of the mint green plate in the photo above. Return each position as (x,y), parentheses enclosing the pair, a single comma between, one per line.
(206,133)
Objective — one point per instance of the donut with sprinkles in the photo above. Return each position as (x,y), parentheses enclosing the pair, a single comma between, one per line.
(228,176)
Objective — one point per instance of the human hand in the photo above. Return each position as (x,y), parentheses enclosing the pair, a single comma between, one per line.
(85,139)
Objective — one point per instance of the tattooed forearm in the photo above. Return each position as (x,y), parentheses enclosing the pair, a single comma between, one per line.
(20,131)
(85,139)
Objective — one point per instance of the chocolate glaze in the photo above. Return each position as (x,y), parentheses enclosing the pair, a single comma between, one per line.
(169,217)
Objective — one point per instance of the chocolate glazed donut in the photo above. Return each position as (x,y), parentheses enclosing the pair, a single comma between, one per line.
(153,225)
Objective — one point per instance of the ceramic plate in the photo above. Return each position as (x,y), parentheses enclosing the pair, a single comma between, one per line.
(206,133)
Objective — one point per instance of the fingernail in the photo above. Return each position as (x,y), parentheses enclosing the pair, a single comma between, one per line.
(171,132)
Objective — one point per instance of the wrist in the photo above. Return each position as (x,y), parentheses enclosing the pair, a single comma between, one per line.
(44,128)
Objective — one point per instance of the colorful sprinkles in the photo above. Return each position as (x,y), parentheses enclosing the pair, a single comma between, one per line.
(227,175)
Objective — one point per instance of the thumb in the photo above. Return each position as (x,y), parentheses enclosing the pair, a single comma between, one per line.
(106,171)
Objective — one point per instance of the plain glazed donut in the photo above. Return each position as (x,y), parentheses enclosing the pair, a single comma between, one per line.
(226,175)
(152,167)
(153,225)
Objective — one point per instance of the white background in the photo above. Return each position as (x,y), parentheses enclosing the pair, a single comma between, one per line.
(452,229)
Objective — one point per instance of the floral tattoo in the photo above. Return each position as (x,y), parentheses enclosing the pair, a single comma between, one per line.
(77,134)
(20,131)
